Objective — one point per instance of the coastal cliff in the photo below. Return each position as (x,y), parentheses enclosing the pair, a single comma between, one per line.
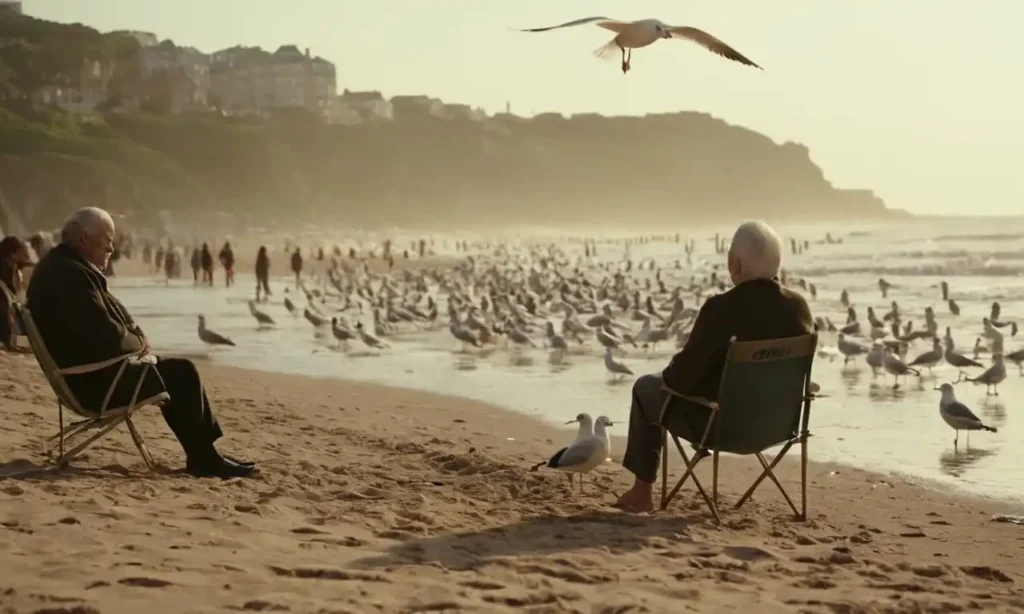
(419,169)
(427,171)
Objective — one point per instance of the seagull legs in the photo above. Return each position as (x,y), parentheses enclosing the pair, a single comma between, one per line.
(627,55)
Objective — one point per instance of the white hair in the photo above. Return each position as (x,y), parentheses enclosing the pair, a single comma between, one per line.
(758,248)
(87,220)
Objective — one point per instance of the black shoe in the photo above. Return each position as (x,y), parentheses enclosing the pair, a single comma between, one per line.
(218,467)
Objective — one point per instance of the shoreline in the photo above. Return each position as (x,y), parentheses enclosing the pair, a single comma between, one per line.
(430,496)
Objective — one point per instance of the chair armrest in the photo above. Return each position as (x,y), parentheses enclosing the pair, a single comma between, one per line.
(712,405)
(97,366)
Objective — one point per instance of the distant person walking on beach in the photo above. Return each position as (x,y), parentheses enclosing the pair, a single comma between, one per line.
(227,260)
(297,266)
(170,265)
(206,261)
(196,266)
(262,274)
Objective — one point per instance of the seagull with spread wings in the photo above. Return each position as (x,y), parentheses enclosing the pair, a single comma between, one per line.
(630,35)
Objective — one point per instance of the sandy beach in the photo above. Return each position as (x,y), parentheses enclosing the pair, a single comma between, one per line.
(377,499)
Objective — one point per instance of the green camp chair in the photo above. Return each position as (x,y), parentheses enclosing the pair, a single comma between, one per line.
(764,400)
(102,421)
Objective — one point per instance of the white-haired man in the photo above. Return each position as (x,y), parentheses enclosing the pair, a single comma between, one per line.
(756,308)
(83,323)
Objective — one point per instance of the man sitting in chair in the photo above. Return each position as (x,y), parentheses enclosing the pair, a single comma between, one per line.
(82,323)
(755,309)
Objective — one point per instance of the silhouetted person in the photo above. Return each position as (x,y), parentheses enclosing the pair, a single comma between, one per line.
(227,260)
(297,266)
(196,266)
(262,273)
(206,261)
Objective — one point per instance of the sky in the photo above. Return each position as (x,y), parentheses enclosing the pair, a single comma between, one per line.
(918,100)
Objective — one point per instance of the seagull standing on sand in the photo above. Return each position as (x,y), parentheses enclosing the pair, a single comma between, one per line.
(261,318)
(602,423)
(959,416)
(210,337)
(583,455)
(849,349)
(630,35)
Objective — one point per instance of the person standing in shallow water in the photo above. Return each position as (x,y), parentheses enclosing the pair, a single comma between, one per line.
(262,274)
(206,261)
(297,266)
(227,260)
(196,265)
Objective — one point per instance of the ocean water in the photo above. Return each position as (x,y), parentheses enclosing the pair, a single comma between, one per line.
(863,422)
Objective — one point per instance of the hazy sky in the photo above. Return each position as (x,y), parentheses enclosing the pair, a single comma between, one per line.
(920,100)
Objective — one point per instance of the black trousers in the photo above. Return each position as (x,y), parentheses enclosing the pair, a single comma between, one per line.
(188,413)
(643,444)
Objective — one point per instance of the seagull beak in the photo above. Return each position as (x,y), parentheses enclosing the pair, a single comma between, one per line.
(610,424)
(572,421)
(938,388)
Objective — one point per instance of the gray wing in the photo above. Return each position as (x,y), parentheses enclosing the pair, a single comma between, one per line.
(958,410)
(712,44)
(579,22)
(582,452)
(212,337)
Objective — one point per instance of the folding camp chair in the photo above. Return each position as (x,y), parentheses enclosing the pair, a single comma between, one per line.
(764,400)
(104,420)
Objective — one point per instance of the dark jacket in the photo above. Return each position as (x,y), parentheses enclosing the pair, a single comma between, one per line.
(754,310)
(81,323)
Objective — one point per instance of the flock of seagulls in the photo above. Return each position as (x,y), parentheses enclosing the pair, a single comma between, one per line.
(542,299)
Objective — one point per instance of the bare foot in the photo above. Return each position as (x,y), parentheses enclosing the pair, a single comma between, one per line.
(636,500)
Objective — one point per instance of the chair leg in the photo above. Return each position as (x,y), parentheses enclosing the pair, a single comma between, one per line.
(767,471)
(140,443)
(691,464)
(803,476)
(68,456)
(778,484)
(714,478)
(60,434)
(664,467)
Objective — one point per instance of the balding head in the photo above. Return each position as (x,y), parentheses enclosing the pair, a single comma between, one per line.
(90,232)
(755,253)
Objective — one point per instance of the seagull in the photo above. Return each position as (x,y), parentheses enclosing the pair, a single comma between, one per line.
(261,318)
(341,333)
(369,339)
(959,361)
(601,424)
(959,416)
(315,318)
(630,35)
(849,349)
(582,455)
(210,337)
(930,358)
(616,368)
(992,377)
(896,368)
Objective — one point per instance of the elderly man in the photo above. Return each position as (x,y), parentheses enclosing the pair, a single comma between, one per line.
(82,323)
(756,308)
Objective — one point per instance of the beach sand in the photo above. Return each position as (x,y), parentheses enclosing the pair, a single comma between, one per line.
(374,499)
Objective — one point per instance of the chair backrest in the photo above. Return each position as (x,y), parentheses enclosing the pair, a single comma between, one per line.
(48,365)
(764,394)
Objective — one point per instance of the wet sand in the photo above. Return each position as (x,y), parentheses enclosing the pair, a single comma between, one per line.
(379,499)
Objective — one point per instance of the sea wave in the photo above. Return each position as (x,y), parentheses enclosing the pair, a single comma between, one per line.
(930,269)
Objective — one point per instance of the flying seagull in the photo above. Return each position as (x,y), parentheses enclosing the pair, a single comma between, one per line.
(630,35)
